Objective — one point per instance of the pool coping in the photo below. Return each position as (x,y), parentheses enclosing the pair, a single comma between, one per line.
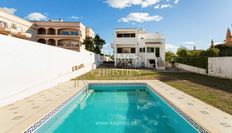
(220,121)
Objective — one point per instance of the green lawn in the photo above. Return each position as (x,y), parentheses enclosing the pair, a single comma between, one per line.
(214,91)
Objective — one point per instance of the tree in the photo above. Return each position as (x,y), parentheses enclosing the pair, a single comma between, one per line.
(89,44)
(224,50)
(169,56)
(182,52)
(195,53)
(212,52)
(98,44)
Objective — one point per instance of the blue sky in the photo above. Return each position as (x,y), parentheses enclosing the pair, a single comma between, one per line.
(183,22)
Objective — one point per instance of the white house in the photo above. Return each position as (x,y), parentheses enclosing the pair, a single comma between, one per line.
(138,49)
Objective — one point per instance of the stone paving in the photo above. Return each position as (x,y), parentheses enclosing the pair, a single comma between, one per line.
(18,116)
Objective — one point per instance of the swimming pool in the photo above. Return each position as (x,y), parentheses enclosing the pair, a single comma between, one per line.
(116,108)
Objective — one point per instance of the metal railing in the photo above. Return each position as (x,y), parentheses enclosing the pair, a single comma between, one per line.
(84,81)
(86,88)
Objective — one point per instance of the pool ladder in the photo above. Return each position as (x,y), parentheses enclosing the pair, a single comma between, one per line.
(84,81)
(86,88)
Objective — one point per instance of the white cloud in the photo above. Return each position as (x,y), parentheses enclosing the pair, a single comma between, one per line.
(36,16)
(188,44)
(159,6)
(147,3)
(107,49)
(171,47)
(8,10)
(176,1)
(127,3)
(140,18)
(74,17)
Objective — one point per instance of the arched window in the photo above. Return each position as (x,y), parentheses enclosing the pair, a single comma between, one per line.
(42,41)
(68,42)
(41,31)
(51,42)
(67,31)
(51,31)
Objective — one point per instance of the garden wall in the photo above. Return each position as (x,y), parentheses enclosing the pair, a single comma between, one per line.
(220,67)
(28,67)
(191,68)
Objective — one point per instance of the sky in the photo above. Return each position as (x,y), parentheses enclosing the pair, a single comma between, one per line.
(183,22)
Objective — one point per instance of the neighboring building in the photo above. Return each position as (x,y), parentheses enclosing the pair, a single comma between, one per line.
(69,35)
(89,32)
(136,48)
(12,25)
(228,40)
(225,49)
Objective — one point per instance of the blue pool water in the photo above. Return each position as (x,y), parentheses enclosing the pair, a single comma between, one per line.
(117,109)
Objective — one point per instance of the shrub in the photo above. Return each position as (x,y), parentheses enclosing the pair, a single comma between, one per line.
(195,53)
(169,56)
(182,52)
(212,52)
(201,62)
(224,50)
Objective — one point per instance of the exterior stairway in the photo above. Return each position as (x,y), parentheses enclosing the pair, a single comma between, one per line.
(160,63)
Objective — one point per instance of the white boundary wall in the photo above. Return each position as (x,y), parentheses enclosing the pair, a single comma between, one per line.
(220,67)
(191,68)
(28,67)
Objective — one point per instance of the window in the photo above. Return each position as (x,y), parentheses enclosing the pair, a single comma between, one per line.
(14,26)
(142,50)
(150,50)
(132,50)
(126,35)
(74,33)
(119,35)
(133,35)
(126,50)
(119,50)
(30,31)
(157,52)
(3,24)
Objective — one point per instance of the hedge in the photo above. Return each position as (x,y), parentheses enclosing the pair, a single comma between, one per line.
(224,50)
(201,62)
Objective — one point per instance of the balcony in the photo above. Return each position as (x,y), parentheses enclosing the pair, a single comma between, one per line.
(125,41)
(4,30)
(126,56)
(23,35)
(58,36)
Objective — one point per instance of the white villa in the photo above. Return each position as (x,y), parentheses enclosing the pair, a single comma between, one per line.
(137,49)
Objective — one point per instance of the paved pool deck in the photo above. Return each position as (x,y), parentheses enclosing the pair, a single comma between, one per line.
(19,116)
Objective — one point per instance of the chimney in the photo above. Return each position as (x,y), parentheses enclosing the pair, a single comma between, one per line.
(228,36)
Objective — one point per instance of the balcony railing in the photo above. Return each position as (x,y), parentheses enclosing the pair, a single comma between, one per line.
(126,56)
(14,31)
(4,29)
(23,35)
